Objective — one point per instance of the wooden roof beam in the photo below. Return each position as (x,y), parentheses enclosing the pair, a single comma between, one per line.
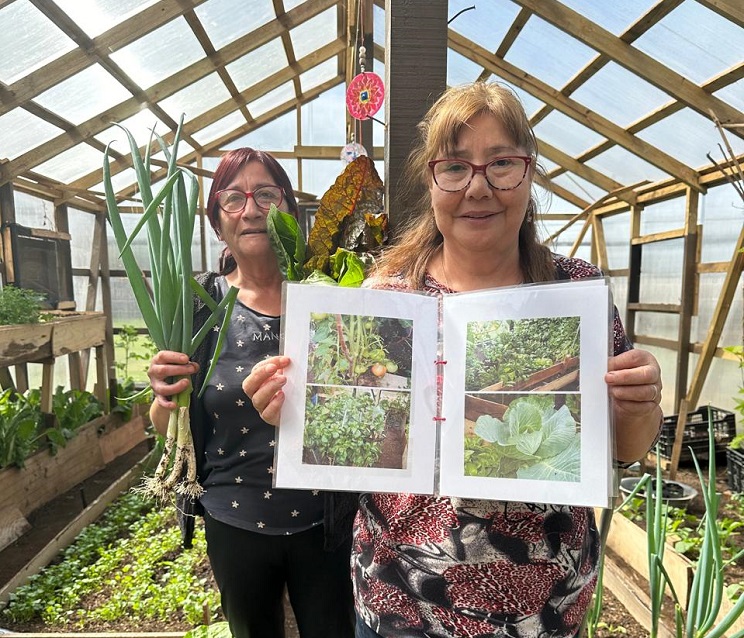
(636,61)
(169,86)
(730,9)
(573,109)
(78,59)
(635,31)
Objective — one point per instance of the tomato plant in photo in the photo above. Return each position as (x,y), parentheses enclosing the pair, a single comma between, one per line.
(510,351)
(349,350)
(534,441)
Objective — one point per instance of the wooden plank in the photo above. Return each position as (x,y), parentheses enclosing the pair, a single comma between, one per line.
(72,529)
(631,595)
(13,525)
(628,541)
(24,343)
(78,332)
(677,233)
(475,407)
(122,439)
(670,308)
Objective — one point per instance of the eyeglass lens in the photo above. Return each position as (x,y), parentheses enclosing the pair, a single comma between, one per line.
(234,201)
(504,173)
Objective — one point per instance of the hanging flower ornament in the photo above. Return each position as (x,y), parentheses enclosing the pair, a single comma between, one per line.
(365,95)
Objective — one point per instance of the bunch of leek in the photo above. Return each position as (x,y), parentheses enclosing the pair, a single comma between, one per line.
(167,303)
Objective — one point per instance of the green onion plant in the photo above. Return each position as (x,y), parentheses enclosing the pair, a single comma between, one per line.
(167,301)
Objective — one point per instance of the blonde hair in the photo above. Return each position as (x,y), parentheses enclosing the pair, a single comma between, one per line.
(418,238)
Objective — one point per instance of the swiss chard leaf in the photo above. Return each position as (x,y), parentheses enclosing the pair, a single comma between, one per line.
(288,243)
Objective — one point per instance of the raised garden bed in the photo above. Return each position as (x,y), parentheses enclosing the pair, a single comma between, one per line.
(46,476)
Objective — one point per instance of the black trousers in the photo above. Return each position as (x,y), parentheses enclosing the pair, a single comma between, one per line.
(253,569)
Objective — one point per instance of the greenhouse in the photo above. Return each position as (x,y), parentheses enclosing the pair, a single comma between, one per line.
(637,109)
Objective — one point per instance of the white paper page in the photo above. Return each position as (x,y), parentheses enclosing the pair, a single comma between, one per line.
(384,428)
(568,468)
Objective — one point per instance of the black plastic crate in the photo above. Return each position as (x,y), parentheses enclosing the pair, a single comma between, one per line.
(695,434)
(735,470)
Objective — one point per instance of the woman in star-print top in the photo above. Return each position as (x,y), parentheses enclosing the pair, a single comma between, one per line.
(260,540)
(439,566)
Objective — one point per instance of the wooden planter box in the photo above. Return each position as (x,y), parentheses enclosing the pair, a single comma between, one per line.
(44,477)
(626,575)
(35,342)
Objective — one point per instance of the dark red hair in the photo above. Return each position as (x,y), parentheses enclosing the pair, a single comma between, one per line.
(230,165)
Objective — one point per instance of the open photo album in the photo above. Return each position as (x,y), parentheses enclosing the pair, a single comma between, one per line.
(496,394)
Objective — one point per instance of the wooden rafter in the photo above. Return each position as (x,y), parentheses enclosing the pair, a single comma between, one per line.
(573,109)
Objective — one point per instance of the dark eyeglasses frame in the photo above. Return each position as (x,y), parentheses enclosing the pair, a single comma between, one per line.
(481,168)
(248,195)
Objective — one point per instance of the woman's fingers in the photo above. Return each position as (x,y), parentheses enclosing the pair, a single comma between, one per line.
(169,374)
(264,387)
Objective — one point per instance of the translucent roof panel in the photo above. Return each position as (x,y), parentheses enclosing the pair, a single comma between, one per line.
(98,16)
(323,72)
(579,186)
(258,64)
(291,4)
(120,180)
(615,17)
(530,103)
(324,119)
(314,33)
(139,125)
(531,52)
(29,41)
(694,41)
(378,15)
(196,98)
(220,128)
(688,136)
(84,95)
(71,164)
(20,132)
(272,99)
(460,69)
(733,94)
(485,24)
(278,135)
(227,20)
(619,95)
(561,131)
(625,167)
(159,54)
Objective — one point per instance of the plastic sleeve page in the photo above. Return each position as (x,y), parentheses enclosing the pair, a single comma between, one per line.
(524,398)
(360,392)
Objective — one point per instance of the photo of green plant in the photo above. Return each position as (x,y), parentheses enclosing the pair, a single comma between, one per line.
(523,354)
(356,427)
(538,437)
(357,350)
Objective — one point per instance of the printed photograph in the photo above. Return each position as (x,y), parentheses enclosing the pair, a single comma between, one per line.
(356,350)
(540,354)
(356,427)
(529,436)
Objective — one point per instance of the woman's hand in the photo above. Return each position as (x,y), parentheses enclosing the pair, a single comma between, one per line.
(264,387)
(634,382)
(166,366)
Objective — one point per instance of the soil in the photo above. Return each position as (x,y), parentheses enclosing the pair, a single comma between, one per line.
(52,518)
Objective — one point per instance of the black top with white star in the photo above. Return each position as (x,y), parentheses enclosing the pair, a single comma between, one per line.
(239,454)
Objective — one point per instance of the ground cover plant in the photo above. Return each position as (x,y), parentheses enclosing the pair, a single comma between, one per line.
(125,570)
(505,352)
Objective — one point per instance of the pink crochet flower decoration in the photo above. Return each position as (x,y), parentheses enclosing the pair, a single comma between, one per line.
(364,95)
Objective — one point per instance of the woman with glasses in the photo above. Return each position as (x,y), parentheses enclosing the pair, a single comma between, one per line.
(260,540)
(426,566)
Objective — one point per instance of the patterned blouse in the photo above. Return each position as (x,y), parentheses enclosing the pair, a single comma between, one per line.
(428,566)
